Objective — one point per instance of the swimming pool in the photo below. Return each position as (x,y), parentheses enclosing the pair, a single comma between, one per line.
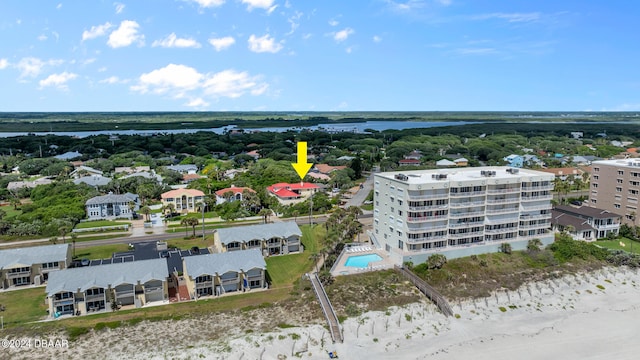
(362,261)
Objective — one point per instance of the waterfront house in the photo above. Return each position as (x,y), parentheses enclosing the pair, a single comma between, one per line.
(32,265)
(184,200)
(292,193)
(233,193)
(112,206)
(272,239)
(585,223)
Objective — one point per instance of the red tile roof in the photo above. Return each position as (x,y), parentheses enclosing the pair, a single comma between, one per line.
(286,190)
(326,169)
(234,190)
(179,192)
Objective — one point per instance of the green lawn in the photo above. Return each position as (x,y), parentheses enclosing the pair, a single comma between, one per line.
(286,269)
(23,306)
(100,223)
(10,211)
(630,246)
(100,251)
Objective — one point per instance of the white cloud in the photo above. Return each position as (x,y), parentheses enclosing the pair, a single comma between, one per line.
(264,43)
(4,63)
(112,80)
(233,84)
(293,20)
(58,80)
(333,22)
(197,103)
(377,38)
(181,81)
(42,37)
(342,35)
(172,41)
(30,67)
(208,3)
(222,43)
(102,69)
(444,2)
(125,35)
(475,51)
(95,31)
(170,77)
(407,6)
(59,6)
(260,4)
(119,7)
(510,17)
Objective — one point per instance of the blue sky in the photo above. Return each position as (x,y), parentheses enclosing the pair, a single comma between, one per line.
(330,55)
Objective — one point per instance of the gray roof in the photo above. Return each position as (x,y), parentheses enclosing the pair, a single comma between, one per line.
(220,263)
(68,155)
(112,198)
(146,175)
(261,231)
(586,211)
(103,276)
(93,180)
(565,219)
(183,167)
(28,256)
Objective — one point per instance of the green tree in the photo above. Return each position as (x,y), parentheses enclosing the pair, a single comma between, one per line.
(146,211)
(436,261)
(505,248)
(190,221)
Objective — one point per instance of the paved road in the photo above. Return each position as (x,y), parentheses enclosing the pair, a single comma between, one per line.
(359,198)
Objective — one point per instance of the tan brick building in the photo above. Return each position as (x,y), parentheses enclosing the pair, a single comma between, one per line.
(615,186)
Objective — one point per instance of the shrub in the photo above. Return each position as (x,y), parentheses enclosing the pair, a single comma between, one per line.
(436,261)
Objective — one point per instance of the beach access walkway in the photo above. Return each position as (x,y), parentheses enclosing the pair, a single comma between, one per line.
(327,308)
(427,290)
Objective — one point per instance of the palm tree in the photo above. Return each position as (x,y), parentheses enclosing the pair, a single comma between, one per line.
(315,257)
(355,211)
(265,213)
(74,237)
(295,214)
(190,221)
(146,211)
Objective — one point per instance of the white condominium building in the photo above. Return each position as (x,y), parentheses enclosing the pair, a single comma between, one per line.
(460,212)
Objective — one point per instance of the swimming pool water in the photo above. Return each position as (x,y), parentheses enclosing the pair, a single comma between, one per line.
(362,261)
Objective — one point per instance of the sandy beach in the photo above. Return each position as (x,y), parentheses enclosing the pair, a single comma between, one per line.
(590,316)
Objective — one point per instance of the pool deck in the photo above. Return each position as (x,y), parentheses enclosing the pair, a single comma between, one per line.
(360,249)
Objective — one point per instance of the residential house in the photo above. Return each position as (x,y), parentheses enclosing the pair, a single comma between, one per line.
(564,173)
(585,223)
(145,174)
(254,154)
(408,162)
(93,180)
(184,200)
(187,178)
(79,291)
(112,206)
(271,239)
(83,170)
(32,265)
(16,185)
(69,155)
(461,162)
(445,163)
(514,160)
(326,169)
(222,273)
(235,193)
(184,168)
(292,193)
(131,169)
(414,155)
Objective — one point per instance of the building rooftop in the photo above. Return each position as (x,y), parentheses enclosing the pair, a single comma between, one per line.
(260,231)
(221,263)
(564,219)
(587,211)
(11,258)
(457,174)
(180,192)
(112,198)
(627,163)
(106,275)
(234,190)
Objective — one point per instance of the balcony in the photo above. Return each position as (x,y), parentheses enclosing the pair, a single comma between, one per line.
(503,191)
(537,188)
(467,194)
(524,207)
(124,293)
(500,231)
(466,224)
(204,284)
(536,198)
(458,215)
(419,219)
(230,281)
(426,238)
(502,211)
(535,226)
(430,228)
(94,297)
(467,234)
(503,201)
(149,290)
(535,217)
(466,204)
(427,196)
(20,274)
(607,226)
(429,207)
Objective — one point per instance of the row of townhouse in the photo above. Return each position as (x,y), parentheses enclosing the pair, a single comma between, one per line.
(33,265)
(100,288)
(271,239)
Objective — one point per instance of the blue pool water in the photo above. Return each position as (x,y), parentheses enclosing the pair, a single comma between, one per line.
(362,261)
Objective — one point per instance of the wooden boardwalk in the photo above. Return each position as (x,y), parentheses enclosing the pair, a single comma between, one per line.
(426,289)
(327,308)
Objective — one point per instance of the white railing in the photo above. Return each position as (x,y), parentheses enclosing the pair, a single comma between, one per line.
(502,211)
(428,207)
(426,218)
(466,214)
(503,191)
(468,193)
(536,198)
(503,201)
(428,196)
(466,204)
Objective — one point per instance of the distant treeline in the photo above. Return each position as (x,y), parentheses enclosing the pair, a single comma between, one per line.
(91,121)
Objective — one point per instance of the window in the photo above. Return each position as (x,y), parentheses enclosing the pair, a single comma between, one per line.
(95,291)
(400,202)
(595,185)
(596,169)
(617,206)
(620,172)
(595,177)
(619,181)
(400,244)
(618,189)
(400,212)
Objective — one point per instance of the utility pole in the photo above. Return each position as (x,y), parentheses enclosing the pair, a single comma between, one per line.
(203,204)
